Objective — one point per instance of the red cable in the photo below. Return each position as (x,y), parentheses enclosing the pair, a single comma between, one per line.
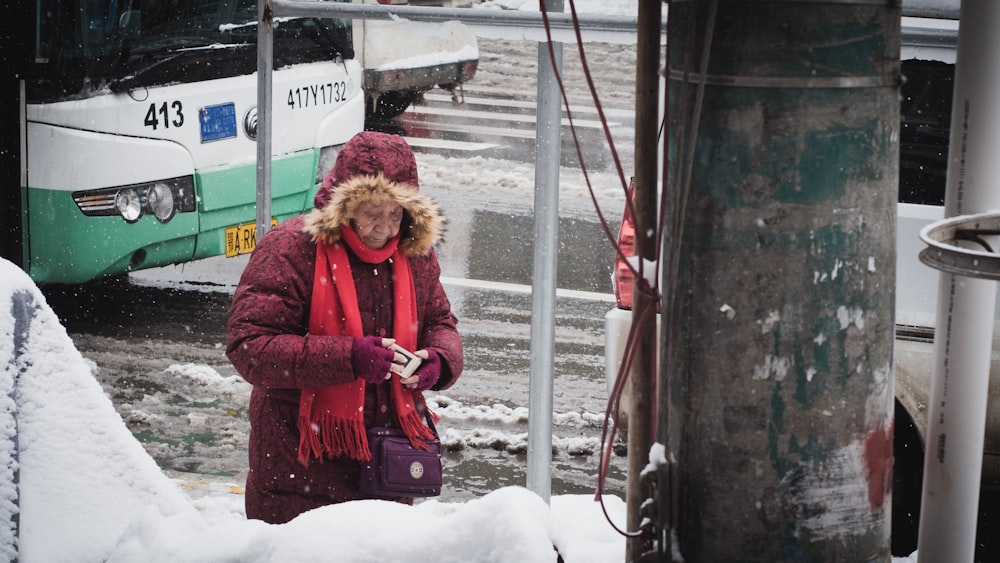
(650,290)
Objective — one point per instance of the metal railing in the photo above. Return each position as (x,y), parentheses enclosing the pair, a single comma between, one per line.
(267,10)
(547,142)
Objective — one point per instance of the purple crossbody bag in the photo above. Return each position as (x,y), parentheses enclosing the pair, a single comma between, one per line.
(397,469)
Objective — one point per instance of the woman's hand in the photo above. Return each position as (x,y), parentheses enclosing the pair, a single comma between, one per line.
(427,374)
(372,360)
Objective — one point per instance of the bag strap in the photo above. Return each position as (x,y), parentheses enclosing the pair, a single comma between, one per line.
(430,422)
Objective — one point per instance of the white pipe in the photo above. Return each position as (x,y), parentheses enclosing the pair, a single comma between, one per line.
(960,381)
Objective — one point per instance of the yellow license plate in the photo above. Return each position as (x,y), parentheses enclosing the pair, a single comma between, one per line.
(242,239)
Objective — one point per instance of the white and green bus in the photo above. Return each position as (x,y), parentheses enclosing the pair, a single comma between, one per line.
(129,126)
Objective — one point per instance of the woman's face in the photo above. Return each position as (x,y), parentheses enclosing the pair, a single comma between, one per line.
(376,224)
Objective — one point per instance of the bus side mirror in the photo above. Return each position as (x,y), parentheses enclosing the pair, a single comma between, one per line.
(130,24)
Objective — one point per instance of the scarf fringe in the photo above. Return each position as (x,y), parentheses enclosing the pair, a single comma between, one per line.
(332,436)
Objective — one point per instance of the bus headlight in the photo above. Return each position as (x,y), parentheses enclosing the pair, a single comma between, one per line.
(162,199)
(128,205)
(160,202)
(327,158)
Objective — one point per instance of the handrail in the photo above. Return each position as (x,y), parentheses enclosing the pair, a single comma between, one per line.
(468,16)
(269,9)
(944,254)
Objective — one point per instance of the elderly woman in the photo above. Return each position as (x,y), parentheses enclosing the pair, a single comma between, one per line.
(324,297)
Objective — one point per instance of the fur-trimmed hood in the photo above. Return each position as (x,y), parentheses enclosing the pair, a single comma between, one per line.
(377,168)
(422,224)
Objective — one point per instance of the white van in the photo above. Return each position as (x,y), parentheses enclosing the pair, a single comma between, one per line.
(403,59)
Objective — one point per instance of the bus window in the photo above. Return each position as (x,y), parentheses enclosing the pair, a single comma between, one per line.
(120,44)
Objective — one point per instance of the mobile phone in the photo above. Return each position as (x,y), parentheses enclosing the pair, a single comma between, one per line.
(412,361)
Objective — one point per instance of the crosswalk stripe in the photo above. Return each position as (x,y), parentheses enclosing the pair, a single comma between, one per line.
(496,116)
(525,289)
(502,91)
(428,143)
(472,129)
(496,102)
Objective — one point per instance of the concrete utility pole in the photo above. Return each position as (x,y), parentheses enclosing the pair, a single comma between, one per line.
(776,390)
(642,384)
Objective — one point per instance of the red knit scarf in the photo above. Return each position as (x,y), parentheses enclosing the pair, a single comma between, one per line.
(331,419)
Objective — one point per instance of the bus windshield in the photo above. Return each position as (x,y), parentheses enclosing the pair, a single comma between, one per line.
(88,47)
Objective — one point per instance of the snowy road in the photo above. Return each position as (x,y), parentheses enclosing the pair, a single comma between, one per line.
(160,356)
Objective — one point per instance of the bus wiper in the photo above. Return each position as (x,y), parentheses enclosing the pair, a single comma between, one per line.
(131,79)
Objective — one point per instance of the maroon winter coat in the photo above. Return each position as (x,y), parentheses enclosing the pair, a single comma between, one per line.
(270,345)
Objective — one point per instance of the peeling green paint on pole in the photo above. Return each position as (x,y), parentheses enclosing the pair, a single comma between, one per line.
(779,279)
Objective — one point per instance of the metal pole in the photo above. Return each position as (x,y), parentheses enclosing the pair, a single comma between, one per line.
(953,453)
(514,18)
(642,388)
(470,16)
(779,287)
(265,62)
(543,281)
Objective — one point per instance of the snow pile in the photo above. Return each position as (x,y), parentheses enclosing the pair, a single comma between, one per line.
(508,525)
(81,476)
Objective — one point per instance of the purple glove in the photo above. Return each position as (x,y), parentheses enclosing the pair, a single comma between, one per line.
(429,371)
(371,361)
